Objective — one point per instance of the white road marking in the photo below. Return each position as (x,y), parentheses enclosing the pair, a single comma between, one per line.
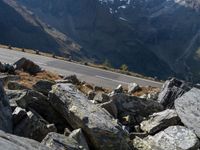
(39,63)
(112,79)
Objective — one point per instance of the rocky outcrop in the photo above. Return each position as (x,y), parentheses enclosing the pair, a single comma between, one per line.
(5,112)
(187,108)
(171,90)
(27,66)
(159,121)
(13,142)
(98,125)
(172,138)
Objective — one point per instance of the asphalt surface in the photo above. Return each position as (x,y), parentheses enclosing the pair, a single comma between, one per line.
(91,75)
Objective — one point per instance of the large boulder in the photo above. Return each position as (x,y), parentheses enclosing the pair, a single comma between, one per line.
(5,112)
(159,121)
(33,126)
(98,125)
(33,100)
(171,90)
(134,106)
(27,66)
(57,141)
(13,142)
(43,86)
(172,138)
(188,109)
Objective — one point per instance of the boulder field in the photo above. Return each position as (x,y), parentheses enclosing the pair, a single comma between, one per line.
(71,114)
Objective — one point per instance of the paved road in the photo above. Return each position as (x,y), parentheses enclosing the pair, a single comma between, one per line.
(92,75)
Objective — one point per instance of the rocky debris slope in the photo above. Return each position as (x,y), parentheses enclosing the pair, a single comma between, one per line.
(66,113)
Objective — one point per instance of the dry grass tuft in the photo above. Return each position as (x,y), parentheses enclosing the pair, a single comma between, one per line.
(29,80)
(146,90)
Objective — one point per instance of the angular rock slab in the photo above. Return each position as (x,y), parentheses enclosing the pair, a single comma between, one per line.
(43,86)
(132,105)
(159,121)
(175,138)
(33,126)
(30,99)
(12,142)
(98,125)
(79,136)
(5,112)
(57,141)
(171,90)
(188,109)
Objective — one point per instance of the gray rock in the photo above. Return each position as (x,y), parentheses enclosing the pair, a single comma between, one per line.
(43,86)
(80,138)
(133,87)
(27,66)
(18,115)
(98,125)
(5,112)
(159,121)
(13,142)
(67,132)
(175,138)
(171,90)
(13,85)
(9,68)
(38,102)
(34,127)
(57,141)
(91,95)
(101,98)
(118,89)
(110,107)
(187,107)
(13,95)
(134,106)
(72,79)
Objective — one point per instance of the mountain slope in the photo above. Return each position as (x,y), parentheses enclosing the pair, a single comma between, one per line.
(20,28)
(101,34)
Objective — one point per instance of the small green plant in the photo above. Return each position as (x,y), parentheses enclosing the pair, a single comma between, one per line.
(124,67)
(106,63)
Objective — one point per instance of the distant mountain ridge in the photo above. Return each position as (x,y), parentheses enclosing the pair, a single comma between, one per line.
(153,37)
